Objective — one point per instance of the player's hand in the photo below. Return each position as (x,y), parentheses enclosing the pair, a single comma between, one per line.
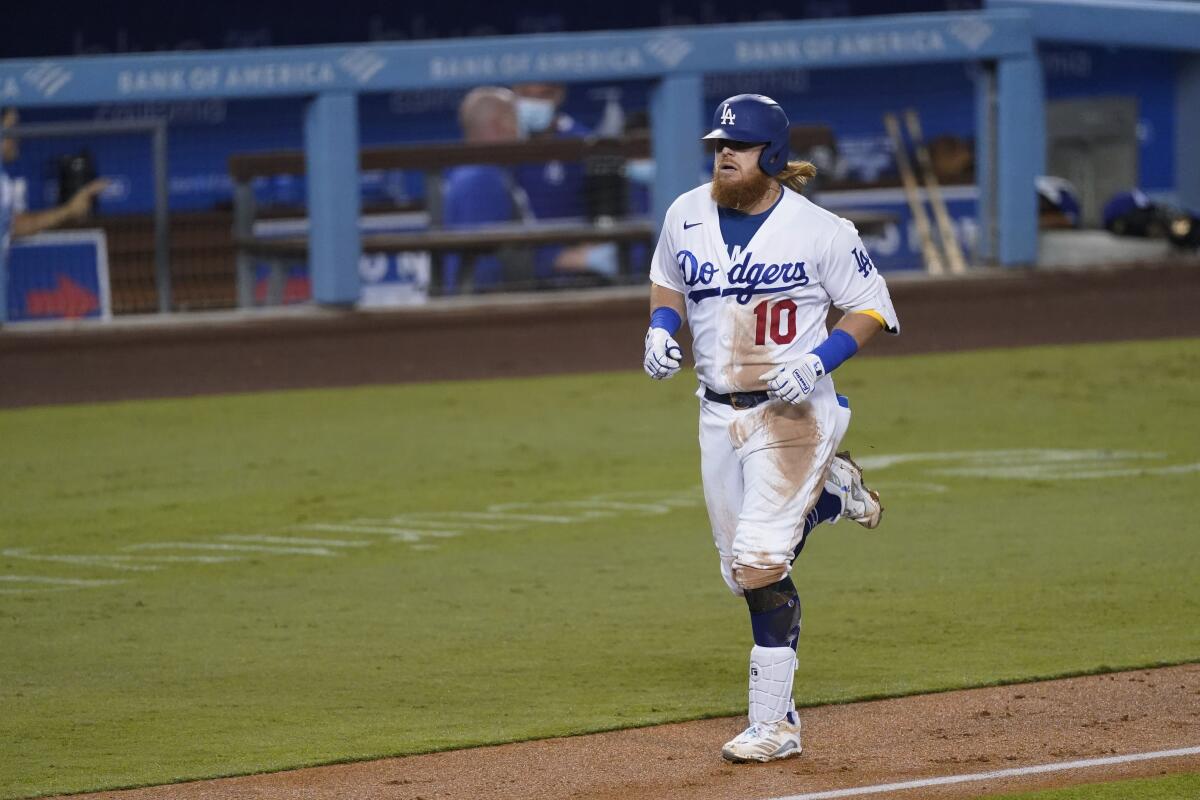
(795,382)
(663,356)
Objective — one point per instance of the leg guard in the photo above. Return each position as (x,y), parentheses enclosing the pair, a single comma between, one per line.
(771,673)
(775,614)
(775,617)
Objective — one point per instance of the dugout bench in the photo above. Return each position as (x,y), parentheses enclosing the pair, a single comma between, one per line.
(431,159)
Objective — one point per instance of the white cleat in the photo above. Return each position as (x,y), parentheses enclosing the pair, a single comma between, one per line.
(858,502)
(764,741)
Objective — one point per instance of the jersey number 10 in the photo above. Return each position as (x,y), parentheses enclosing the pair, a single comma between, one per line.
(782,321)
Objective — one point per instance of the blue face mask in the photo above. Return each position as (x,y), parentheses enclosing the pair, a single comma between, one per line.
(534,115)
(640,170)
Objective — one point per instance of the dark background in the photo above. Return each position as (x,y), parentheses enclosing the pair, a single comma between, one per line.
(83,28)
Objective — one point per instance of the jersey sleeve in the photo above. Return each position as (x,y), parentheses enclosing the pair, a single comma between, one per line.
(852,281)
(664,270)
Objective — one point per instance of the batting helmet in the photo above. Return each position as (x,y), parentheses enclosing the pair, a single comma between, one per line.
(754,118)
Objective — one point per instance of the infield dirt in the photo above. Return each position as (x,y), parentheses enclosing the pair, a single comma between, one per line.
(858,744)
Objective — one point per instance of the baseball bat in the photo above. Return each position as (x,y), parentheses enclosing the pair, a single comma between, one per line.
(929,250)
(954,253)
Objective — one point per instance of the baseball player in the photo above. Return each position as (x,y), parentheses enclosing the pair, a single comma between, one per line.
(754,266)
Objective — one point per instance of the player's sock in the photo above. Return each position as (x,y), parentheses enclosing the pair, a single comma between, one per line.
(827,509)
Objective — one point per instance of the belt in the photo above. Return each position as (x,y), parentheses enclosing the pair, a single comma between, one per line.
(739,400)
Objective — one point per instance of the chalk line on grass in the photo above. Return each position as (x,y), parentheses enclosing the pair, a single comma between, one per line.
(1035,464)
(420,530)
(45,583)
(139,563)
(1014,772)
(110,561)
(240,548)
(399,534)
(297,540)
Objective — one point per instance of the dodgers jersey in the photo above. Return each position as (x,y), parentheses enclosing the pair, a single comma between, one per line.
(766,304)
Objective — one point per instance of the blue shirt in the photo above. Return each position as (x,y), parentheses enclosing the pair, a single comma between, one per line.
(737,229)
(473,196)
(555,188)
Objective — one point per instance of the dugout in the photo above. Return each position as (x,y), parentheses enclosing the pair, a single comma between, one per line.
(999,43)
(1170,29)
(673,59)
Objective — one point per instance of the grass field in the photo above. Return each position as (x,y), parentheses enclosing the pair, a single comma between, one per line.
(1172,787)
(205,640)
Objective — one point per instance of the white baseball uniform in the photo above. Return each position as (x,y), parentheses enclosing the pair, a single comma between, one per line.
(763,468)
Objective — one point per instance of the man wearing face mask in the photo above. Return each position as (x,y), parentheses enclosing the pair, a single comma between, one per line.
(555,188)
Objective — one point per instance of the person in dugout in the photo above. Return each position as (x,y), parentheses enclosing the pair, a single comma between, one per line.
(555,188)
(483,194)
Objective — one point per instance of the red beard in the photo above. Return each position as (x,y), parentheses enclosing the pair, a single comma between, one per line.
(740,193)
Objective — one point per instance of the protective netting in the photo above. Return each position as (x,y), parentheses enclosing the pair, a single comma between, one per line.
(466,190)
(161,229)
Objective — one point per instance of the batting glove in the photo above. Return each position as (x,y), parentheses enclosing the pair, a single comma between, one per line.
(663,356)
(795,382)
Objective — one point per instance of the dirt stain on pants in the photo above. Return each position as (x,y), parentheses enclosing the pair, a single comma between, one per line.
(790,436)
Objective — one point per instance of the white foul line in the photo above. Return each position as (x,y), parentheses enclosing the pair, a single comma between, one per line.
(987,776)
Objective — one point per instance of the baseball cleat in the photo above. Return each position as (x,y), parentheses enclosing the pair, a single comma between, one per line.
(858,502)
(764,741)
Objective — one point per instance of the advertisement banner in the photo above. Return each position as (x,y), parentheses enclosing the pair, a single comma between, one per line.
(388,279)
(57,276)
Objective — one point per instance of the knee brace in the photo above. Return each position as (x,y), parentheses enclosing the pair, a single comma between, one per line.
(775,614)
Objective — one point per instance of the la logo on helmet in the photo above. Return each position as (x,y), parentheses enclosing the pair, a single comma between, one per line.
(727,116)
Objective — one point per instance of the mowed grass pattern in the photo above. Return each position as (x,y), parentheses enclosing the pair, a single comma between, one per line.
(275,661)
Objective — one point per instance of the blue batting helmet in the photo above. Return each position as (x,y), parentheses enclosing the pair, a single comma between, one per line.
(754,118)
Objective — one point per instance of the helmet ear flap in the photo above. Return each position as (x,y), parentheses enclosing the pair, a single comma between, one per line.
(773,158)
